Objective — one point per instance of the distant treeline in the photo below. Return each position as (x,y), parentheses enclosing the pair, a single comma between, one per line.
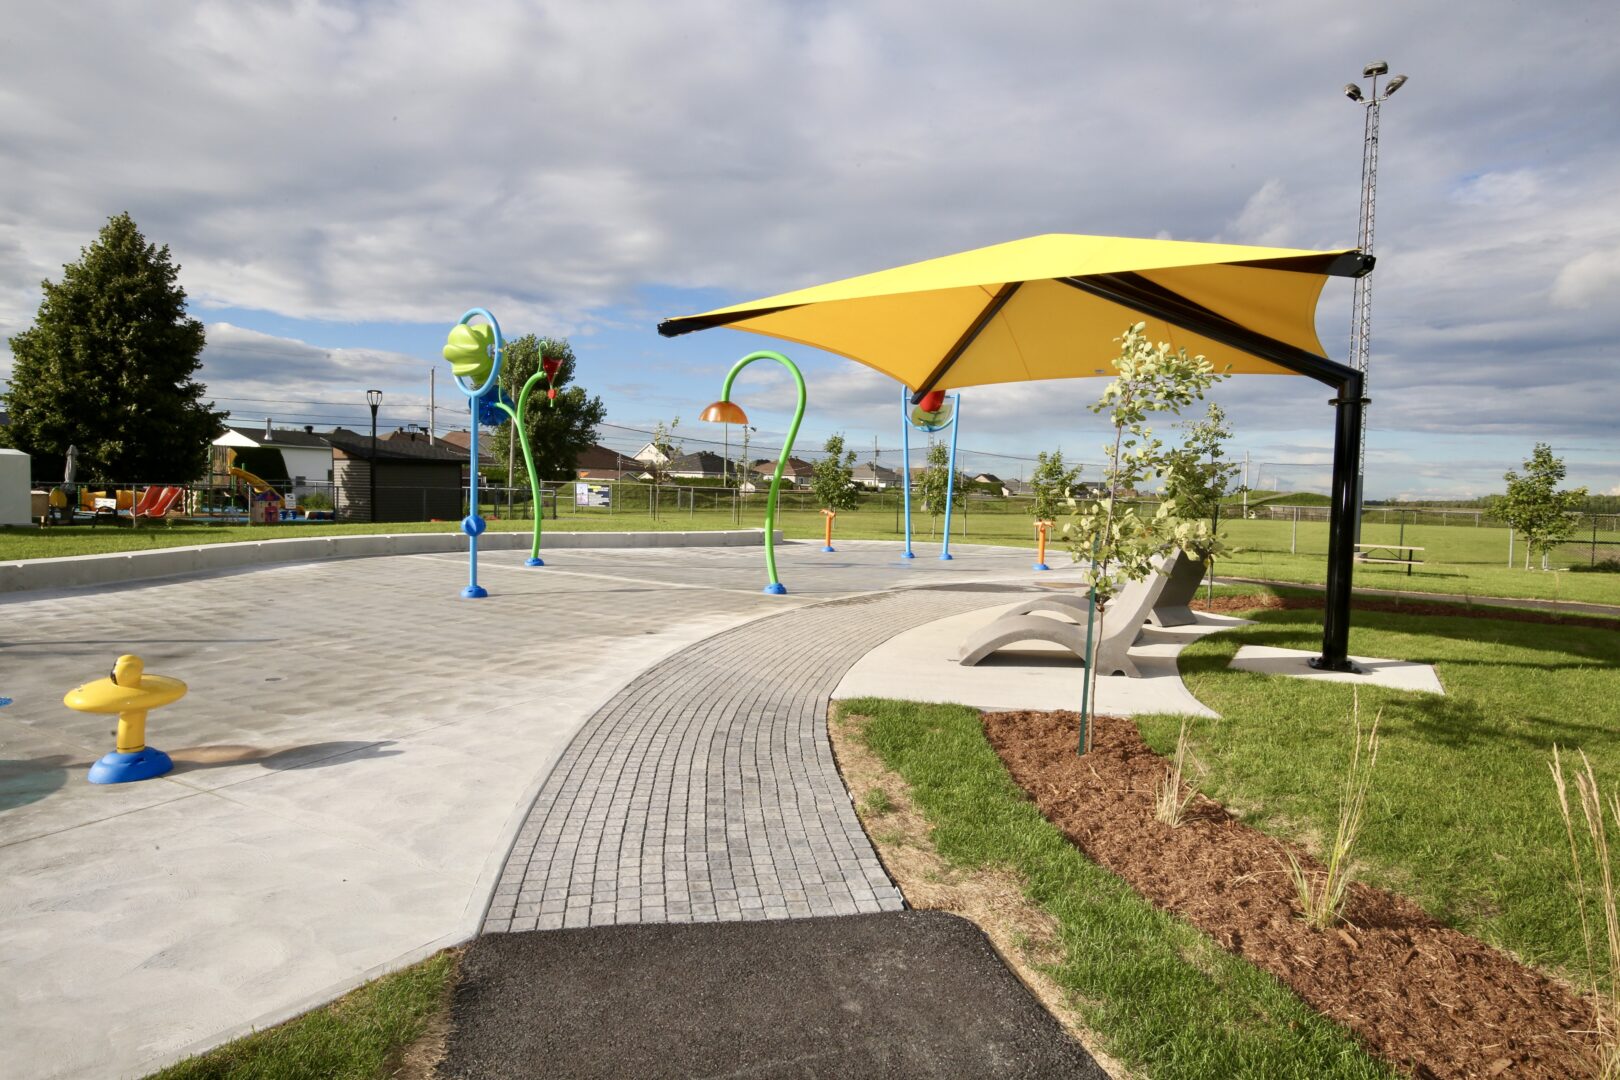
(1595,504)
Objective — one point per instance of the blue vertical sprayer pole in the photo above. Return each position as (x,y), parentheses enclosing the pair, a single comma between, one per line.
(950,477)
(475,355)
(905,466)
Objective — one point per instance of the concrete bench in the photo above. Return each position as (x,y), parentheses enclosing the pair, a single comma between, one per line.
(1115,632)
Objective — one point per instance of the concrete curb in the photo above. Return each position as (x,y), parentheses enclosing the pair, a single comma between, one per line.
(75,571)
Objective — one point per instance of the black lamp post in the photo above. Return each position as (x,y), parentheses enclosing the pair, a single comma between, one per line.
(374,399)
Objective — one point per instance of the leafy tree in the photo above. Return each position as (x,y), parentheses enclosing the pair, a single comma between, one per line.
(558,430)
(935,482)
(1115,540)
(833,477)
(1053,483)
(1196,475)
(108,364)
(1535,508)
(666,449)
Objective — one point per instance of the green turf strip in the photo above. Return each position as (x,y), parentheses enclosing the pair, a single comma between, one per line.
(1162,997)
(358,1037)
(1462,816)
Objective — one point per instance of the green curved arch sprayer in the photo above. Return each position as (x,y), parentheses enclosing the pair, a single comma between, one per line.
(516,416)
(725,411)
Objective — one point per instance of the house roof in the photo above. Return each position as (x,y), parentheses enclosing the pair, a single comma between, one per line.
(703,461)
(401,447)
(598,458)
(462,440)
(795,466)
(880,472)
(254,436)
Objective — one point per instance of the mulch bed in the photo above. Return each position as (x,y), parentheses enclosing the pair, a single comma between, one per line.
(1229,605)
(1427,998)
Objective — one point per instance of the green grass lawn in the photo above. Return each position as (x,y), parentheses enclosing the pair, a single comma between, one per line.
(1458,560)
(360,1036)
(1162,997)
(1462,815)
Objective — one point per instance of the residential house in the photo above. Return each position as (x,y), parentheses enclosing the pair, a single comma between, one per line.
(704,464)
(290,459)
(597,462)
(655,453)
(876,477)
(462,440)
(797,471)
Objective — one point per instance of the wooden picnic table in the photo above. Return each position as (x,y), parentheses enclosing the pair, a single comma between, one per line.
(1398,554)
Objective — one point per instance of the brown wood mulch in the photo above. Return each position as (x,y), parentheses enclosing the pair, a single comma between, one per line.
(1432,1001)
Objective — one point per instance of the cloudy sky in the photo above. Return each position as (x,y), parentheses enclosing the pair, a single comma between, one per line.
(339,181)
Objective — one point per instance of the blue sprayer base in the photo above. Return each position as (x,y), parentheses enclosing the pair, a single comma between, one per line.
(534,560)
(775,588)
(1041,566)
(143,764)
(829,549)
(907,555)
(474,592)
(947,557)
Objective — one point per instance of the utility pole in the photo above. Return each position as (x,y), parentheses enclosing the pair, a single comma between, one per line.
(1245,483)
(433,406)
(1361,311)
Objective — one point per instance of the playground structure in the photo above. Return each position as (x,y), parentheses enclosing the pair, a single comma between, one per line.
(264,502)
(211,500)
(66,505)
(932,413)
(725,411)
(129,693)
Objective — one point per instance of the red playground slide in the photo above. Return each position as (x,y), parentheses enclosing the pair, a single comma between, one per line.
(155,502)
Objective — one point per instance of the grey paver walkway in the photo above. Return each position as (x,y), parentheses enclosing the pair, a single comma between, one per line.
(357,751)
(706,789)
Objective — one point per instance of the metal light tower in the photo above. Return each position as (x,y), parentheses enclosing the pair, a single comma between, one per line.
(1361,311)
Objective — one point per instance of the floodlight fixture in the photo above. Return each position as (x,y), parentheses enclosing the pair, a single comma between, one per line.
(1394,84)
(1377,67)
(1352,91)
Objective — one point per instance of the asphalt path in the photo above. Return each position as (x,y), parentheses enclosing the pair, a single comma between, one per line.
(895,994)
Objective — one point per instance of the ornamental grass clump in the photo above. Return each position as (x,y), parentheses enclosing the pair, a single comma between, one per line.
(1175,791)
(1605,988)
(1322,893)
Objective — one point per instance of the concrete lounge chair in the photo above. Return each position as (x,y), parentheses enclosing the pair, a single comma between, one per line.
(1180,589)
(1113,636)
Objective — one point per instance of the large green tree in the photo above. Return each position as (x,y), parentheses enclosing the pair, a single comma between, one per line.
(108,364)
(558,429)
(1535,508)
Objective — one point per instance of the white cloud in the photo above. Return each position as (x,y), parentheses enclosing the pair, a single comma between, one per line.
(1268,219)
(1586,280)
(347,161)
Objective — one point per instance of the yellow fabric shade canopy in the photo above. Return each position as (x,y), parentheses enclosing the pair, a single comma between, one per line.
(1049,307)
